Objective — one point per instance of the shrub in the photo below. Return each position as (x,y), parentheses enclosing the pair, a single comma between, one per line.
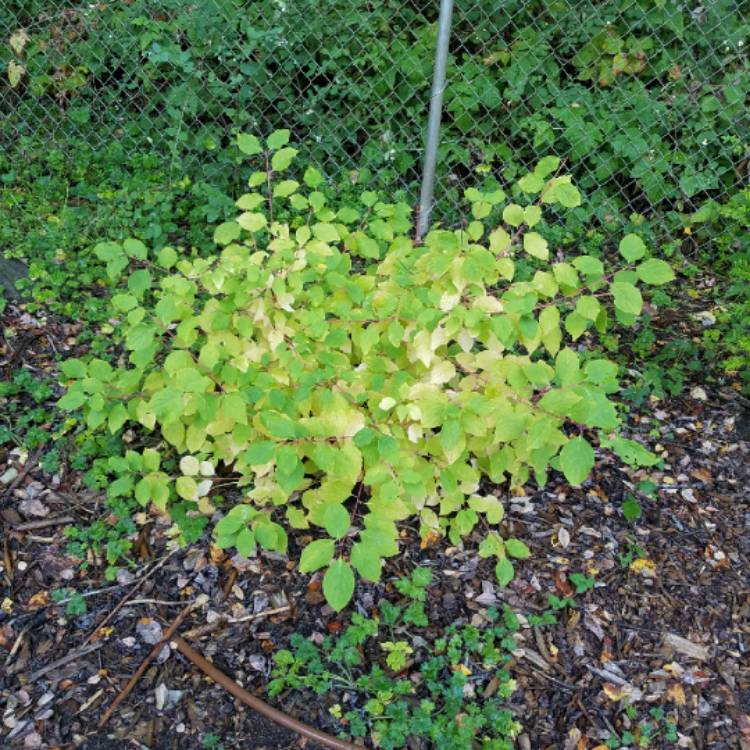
(344,376)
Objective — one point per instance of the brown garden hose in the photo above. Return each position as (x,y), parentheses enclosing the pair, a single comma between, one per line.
(262,708)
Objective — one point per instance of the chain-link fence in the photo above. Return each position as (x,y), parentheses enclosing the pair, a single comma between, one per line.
(646,100)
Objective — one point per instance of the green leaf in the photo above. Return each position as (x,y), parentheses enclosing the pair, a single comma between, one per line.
(151,459)
(546,165)
(575,325)
(633,453)
(534,244)
(278,138)
(252,221)
(227,232)
(338,584)
(531,183)
(245,542)
(504,571)
(452,439)
(335,520)
(655,271)
(631,509)
(72,400)
(313,178)
(285,188)
(366,561)
(364,437)
(249,144)
(167,257)
(513,215)
(229,525)
(627,297)
(135,249)
(282,159)
(588,307)
(139,282)
(117,418)
(279,425)
(516,548)
(271,536)
(250,201)
(577,460)
(73,368)
(326,232)
(582,582)
(632,247)
(316,555)
(107,251)
(566,195)
(124,302)
(532,215)
(259,453)
(187,488)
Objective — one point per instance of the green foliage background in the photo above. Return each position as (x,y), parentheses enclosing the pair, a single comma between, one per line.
(646,98)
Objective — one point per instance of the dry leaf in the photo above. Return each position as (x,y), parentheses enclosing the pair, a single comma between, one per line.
(647,568)
(562,585)
(18,40)
(430,540)
(40,599)
(563,536)
(615,692)
(15,73)
(676,693)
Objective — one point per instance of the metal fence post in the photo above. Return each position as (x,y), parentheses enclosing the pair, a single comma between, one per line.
(436,108)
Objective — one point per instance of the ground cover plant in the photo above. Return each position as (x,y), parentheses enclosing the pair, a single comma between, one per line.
(326,363)
(450,689)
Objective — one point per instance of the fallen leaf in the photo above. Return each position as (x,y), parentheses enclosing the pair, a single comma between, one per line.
(563,537)
(38,600)
(676,693)
(430,540)
(647,568)
(684,646)
(562,585)
(615,692)
(33,507)
(149,630)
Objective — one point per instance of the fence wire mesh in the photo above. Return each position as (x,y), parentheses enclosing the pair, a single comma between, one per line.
(646,100)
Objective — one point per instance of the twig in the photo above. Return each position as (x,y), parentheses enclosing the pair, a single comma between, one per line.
(43,524)
(27,467)
(155,651)
(606,675)
(213,626)
(77,654)
(7,560)
(560,683)
(260,706)
(122,601)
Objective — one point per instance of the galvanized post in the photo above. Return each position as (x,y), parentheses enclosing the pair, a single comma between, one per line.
(436,108)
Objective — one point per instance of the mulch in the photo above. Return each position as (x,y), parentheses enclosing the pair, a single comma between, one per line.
(666,624)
